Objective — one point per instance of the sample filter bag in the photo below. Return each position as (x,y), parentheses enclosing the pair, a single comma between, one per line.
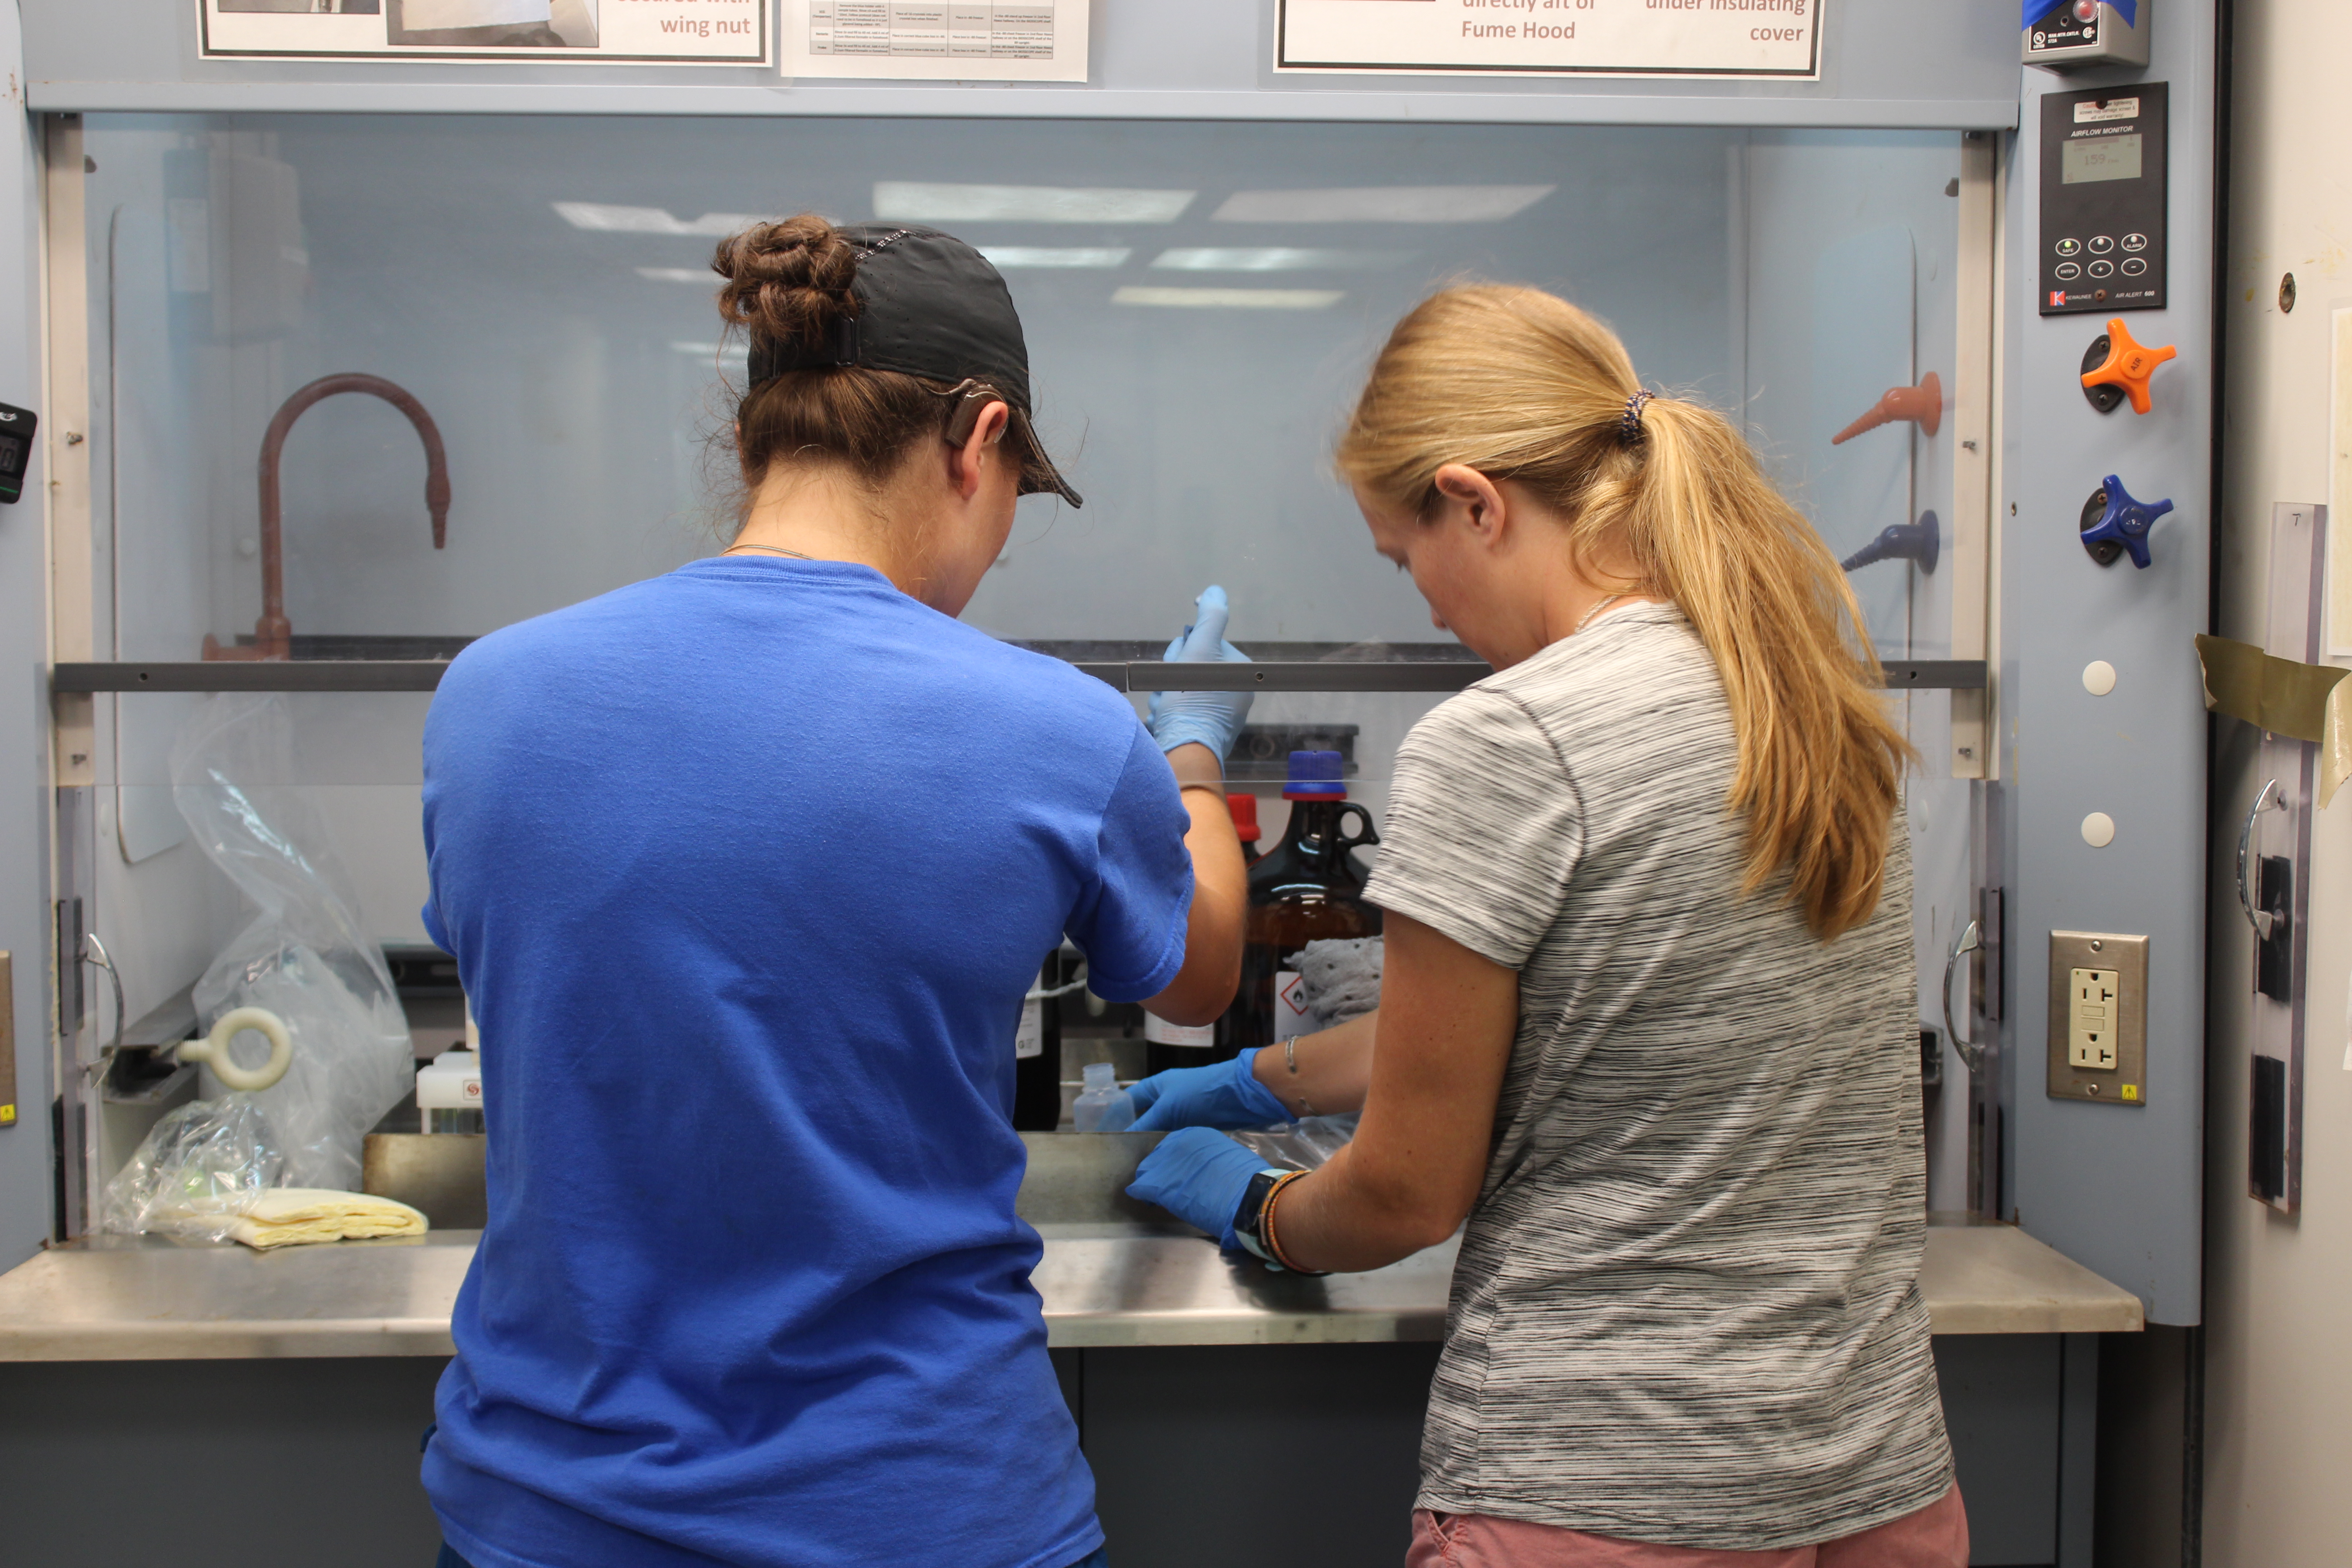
(199,1169)
(305,955)
(208,1172)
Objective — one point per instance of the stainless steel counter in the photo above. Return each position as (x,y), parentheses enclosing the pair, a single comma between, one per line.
(1114,1273)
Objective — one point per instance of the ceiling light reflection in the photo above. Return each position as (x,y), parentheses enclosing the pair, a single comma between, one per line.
(1384,204)
(1228,299)
(1006,256)
(1273,258)
(913,201)
(606,219)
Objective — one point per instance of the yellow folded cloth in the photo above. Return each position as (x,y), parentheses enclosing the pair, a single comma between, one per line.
(289,1215)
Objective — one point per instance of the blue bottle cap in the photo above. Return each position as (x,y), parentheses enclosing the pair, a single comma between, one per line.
(1314,775)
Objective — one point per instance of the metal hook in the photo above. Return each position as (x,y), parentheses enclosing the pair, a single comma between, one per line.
(1971,941)
(2262,920)
(94,952)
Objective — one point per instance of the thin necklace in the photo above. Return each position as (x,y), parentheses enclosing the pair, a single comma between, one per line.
(770,549)
(1592,612)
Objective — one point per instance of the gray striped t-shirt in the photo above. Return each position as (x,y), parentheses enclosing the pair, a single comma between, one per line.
(1687,1305)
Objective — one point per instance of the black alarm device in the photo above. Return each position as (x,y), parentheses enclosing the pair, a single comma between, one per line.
(16,428)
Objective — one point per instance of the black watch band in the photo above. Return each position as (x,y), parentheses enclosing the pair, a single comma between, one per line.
(1249,1220)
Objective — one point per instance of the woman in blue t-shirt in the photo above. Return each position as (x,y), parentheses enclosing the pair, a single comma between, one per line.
(747,869)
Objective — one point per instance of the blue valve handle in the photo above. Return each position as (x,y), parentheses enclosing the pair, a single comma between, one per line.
(2122,523)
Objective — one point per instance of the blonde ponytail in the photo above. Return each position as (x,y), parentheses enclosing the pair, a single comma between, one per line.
(1523,385)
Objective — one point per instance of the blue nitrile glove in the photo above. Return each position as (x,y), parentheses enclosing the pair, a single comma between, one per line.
(1212,719)
(1198,1175)
(1223,1094)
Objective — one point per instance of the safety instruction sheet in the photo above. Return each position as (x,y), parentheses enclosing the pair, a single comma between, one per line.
(938,40)
(584,32)
(1553,37)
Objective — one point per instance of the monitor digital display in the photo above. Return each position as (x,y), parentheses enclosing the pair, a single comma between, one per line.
(2100,158)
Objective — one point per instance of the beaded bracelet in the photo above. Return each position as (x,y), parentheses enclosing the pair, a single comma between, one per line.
(1266,1227)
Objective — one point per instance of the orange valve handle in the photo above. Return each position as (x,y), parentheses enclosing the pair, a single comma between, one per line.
(1923,404)
(2128,365)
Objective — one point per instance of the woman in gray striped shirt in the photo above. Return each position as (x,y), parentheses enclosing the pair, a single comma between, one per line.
(1647,1019)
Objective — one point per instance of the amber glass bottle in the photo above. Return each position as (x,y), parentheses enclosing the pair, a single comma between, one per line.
(1306,888)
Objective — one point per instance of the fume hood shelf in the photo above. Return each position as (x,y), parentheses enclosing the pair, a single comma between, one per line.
(1125,674)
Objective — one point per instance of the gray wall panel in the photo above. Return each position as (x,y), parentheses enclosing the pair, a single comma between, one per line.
(2117,1189)
(1184,1442)
(1920,63)
(1187,1443)
(2001,1408)
(217,1464)
(24,1184)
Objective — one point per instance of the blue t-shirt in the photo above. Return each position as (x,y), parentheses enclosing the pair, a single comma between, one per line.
(746,870)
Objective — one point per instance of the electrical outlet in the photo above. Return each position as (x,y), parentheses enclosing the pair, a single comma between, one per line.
(2098,1018)
(2091,1034)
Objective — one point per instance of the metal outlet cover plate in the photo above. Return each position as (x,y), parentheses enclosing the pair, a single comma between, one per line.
(2127,1083)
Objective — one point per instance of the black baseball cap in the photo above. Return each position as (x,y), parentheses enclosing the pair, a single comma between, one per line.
(928,305)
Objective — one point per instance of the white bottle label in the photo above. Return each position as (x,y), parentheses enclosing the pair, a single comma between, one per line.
(1291,1017)
(1029,1041)
(1160,1032)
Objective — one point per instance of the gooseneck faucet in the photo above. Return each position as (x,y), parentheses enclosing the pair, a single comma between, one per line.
(273,634)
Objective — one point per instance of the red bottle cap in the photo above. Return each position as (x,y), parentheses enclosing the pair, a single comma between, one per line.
(1245,810)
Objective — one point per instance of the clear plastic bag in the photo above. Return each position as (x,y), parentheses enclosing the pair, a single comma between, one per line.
(1341,980)
(1305,1143)
(305,956)
(200,1169)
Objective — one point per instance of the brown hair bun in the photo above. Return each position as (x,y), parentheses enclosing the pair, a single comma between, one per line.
(787,281)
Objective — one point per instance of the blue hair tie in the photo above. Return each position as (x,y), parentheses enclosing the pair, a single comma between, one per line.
(1629,423)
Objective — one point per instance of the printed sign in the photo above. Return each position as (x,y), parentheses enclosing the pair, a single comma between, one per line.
(1553,37)
(938,40)
(2097,111)
(1292,1016)
(588,32)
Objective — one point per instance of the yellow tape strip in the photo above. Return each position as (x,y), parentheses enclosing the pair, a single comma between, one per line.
(2301,701)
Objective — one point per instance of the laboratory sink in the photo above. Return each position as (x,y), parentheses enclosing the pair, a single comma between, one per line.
(1075,1186)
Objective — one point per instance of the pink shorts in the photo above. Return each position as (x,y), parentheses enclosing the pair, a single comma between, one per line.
(1935,1537)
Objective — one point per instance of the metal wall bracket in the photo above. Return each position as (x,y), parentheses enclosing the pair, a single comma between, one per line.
(2275,871)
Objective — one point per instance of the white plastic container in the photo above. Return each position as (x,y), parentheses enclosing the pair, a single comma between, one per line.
(1102,1106)
(449,1092)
